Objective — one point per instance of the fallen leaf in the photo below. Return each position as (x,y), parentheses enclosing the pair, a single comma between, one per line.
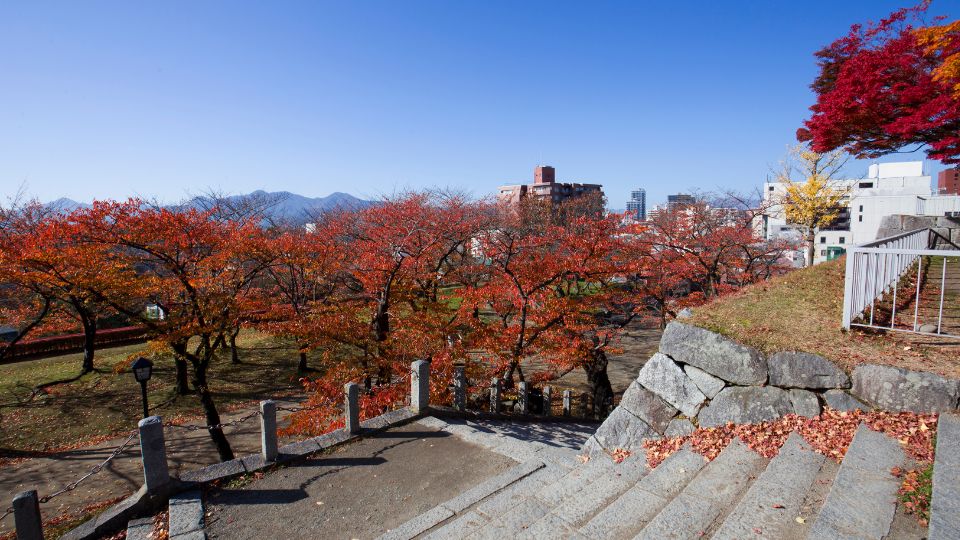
(778,506)
(800,520)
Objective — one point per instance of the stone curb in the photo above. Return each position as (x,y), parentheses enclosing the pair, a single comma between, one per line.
(186,515)
(450,412)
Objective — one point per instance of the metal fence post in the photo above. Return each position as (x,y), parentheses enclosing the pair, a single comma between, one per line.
(268,430)
(460,387)
(547,400)
(495,395)
(26,516)
(153,452)
(351,408)
(420,386)
(523,398)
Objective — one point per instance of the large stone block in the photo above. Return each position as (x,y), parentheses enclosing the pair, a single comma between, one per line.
(679,427)
(746,405)
(707,383)
(713,353)
(623,430)
(898,389)
(842,401)
(805,370)
(647,406)
(663,377)
(805,402)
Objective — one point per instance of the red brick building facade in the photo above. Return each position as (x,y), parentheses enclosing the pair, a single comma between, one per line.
(545,186)
(948,182)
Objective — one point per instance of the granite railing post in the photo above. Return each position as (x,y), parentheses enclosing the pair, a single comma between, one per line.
(547,400)
(351,408)
(567,398)
(268,430)
(523,398)
(460,387)
(26,516)
(495,395)
(420,386)
(153,452)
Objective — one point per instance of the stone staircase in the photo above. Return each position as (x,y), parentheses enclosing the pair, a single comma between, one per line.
(797,494)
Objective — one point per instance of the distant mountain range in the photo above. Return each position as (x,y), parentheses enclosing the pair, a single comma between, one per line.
(282,204)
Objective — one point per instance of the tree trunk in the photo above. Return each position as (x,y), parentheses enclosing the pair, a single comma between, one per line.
(302,366)
(811,243)
(600,388)
(89,337)
(212,416)
(183,388)
(234,355)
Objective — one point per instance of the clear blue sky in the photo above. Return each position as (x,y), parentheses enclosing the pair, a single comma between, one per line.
(162,99)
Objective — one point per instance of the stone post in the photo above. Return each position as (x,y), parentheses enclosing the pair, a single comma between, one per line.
(495,395)
(567,398)
(460,387)
(268,430)
(351,408)
(420,386)
(153,452)
(547,400)
(26,516)
(523,398)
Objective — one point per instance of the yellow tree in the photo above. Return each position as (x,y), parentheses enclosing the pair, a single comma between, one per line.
(943,42)
(812,197)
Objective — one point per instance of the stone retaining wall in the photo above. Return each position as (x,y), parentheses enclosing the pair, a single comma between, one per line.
(702,379)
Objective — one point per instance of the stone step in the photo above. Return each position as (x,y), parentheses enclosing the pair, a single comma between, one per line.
(863,499)
(717,487)
(945,504)
(625,516)
(577,509)
(773,502)
(140,529)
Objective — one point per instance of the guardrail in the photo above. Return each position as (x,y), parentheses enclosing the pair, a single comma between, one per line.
(875,278)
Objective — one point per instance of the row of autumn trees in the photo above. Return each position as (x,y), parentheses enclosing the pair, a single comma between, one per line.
(422,275)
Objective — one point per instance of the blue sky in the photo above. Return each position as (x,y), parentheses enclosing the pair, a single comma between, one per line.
(163,99)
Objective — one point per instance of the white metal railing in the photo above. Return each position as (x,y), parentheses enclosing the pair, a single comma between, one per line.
(874,272)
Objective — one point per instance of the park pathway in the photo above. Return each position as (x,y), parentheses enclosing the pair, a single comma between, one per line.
(186,450)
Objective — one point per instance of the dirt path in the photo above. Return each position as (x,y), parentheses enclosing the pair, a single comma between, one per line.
(186,451)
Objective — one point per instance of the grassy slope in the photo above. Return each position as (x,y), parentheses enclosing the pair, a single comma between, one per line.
(104,402)
(801,311)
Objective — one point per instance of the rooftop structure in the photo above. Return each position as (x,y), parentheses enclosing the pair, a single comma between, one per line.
(545,187)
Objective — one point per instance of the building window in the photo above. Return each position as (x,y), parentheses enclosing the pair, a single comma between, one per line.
(864,185)
(842,239)
(823,253)
(860,219)
(861,208)
(823,239)
(770,188)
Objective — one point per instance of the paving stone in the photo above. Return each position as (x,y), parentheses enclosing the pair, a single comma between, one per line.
(647,406)
(509,497)
(685,517)
(746,405)
(805,370)
(842,401)
(485,489)
(679,427)
(572,482)
(623,430)
(663,377)
(550,526)
(945,504)
(671,476)
(459,528)
(418,525)
(713,353)
(576,510)
(226,469)
(707,383)
(784,483)
(186,513)
(140,529)
(432,422)
(524,514)
(863,498)
(805,402)
(897,389)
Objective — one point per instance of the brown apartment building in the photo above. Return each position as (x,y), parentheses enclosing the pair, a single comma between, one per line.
(948,181)
(545,186)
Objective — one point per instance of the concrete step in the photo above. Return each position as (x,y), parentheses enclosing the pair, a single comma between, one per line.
(625,516)
(945,504)
(863,499)
(707,497)
(773,502)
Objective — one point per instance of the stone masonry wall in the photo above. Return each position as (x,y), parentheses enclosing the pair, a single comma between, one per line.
(700,378)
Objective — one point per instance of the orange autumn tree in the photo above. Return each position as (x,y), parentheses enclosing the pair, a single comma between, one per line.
(198,269)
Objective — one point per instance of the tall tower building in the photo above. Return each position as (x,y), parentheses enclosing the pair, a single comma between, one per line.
(637,205)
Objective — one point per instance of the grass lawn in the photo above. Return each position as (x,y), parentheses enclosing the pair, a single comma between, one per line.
(104,403)
(801,311)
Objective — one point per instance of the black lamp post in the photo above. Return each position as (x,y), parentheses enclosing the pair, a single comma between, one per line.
(142,370)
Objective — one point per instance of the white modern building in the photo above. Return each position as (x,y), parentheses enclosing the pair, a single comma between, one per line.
(890,188)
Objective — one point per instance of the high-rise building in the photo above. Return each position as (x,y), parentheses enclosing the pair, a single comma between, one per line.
(545,186)
(680,200)
(637,205)
(948,181)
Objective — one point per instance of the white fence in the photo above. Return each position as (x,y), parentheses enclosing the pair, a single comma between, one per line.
(874,273)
